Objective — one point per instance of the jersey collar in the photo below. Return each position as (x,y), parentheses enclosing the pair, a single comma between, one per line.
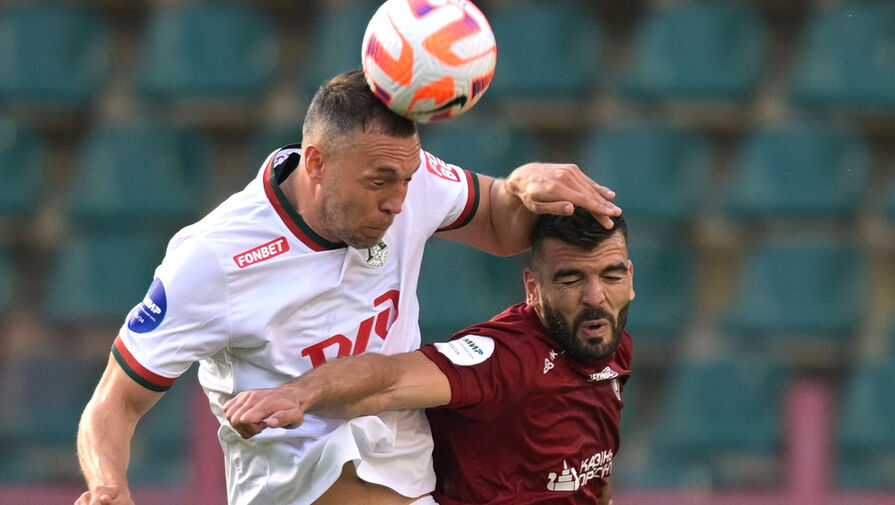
(291,218)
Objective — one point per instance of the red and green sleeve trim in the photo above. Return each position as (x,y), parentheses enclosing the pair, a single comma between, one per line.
(472,202)
(133,368)
(290,216)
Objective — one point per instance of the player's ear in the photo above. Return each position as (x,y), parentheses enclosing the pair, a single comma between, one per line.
(532,288)
(313,156)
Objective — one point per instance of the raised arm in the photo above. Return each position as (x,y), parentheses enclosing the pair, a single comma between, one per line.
(509,207)
(344,388)
(105,433)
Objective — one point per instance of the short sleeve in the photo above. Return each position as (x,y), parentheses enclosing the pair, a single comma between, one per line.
(446,194)
(182,318)
(486,376)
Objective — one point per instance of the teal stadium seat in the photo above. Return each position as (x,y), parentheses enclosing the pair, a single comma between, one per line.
(844,58)
(533,62)
(21,169)
(803,289)
(665,288)
(485,146)
(659,173)
(865,440)
(140,176)
(697,50)
(335,43)
(159,452)
(98,277)
(53,389)
(54,54)
(888,205)
(207,50)
(7,279)
(460,285)
(799,171)
(720,424)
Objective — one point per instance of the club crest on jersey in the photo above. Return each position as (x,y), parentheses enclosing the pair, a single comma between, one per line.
(377,255)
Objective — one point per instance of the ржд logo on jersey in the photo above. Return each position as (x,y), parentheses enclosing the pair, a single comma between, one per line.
(441,169)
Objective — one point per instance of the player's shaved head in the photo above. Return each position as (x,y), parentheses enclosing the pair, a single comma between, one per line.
(345,105)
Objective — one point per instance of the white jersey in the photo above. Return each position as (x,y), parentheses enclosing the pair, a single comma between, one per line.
(258,298)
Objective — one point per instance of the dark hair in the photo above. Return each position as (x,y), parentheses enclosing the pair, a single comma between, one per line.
(345,104)
(580,229)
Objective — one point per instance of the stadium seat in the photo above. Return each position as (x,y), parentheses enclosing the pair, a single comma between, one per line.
(532,62)
(207,50)
(7,279)
(335,43)
(721,423)
(697,50)
(99,277)
(802,289)
(889,200)
(21,169)
(480,145)
(844,58)
(460,285)
(140,176)
(799,171)
(159,453)
(865,439)
(665,289)
(55,54)
(659,173)
(52,388)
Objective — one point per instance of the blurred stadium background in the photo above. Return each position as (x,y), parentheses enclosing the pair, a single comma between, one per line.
(750,143)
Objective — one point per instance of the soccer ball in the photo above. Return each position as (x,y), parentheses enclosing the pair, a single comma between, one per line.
(429,59)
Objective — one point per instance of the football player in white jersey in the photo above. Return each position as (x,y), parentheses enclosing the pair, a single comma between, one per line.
(318,257)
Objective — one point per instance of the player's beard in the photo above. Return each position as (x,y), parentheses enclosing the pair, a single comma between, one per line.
(337,222)
(567,336)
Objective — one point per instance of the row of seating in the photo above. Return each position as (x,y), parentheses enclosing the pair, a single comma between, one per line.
(156,171)
(687,50)
(718,423)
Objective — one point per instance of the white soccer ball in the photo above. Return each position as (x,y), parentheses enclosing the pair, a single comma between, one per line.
(429,59)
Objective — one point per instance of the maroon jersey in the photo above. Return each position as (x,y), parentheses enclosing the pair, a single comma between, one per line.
(525,424)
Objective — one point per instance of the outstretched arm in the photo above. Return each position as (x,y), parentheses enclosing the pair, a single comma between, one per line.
(105,433)
(509,207)
(344,388)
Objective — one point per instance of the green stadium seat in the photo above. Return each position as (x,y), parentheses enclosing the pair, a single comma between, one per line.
(99,277)
(844,58)
(659,173)
(665,285)
(697,50)
(335,43)
(7,279)
(144,176)
(159,452)
(480,145)
(55,54)
(49,393)
(800,289)
(888,206)
(21,169)
(207,50)
(460,285)
(533,62)
(865,440)
(799,172)
(720,424)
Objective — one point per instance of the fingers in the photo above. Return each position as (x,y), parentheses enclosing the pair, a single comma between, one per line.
(555,188)
(251,412)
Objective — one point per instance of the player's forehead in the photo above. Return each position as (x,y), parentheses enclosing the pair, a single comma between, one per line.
(380,151)
(558,255)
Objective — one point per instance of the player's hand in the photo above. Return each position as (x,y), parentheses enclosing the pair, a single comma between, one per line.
(250,412)
(105,495)
(556,188)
